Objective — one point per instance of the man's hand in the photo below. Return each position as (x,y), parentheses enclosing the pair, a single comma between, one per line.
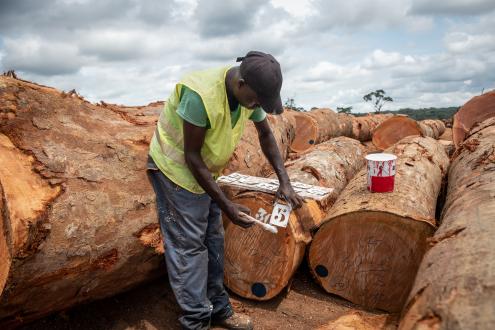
(287,193)
(232,211)
(270,149)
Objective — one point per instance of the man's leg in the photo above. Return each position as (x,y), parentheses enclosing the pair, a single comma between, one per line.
(183,222)
(215,244)
(223,314)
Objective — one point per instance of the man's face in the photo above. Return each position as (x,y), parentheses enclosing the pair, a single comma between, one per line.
(246,96)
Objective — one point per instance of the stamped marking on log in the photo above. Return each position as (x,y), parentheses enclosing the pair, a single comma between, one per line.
(270,186)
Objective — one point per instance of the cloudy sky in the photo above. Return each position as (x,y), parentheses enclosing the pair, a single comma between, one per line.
(423,53)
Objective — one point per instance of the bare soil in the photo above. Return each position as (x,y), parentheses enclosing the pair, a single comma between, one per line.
(153,307)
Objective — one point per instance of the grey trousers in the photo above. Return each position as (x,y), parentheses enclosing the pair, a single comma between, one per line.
(194,246)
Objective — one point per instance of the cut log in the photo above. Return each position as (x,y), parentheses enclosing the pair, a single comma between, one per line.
(369,246)
(447,134)
(345,124)
(454,288)
(362,127)
(328,124)
(75,200)
(476,110)
(398,127)
(314,127)
(258,264)
(306,133)
(248,158)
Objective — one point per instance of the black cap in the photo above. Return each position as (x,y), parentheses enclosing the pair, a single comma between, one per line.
(262,73)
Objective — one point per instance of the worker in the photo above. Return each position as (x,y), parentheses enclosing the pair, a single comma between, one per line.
(195,136)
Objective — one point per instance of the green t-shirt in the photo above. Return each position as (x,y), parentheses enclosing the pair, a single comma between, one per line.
(192,109)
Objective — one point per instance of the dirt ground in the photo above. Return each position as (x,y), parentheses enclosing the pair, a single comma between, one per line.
(153,307)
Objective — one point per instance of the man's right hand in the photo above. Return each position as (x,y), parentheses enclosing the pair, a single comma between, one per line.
(233,211)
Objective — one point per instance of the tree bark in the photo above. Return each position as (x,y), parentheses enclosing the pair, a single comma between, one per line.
(345,124)
(75,200)
(248,158)
(454,288)
(476,110)
(370,245)
(398,127)
(447,134)
(259,264)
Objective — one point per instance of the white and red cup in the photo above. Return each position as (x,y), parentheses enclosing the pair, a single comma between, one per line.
(381,172)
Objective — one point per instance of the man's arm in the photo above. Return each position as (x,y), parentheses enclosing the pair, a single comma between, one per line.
(270,150)
(194,137)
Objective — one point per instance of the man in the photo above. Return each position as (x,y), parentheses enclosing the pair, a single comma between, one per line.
(195,137)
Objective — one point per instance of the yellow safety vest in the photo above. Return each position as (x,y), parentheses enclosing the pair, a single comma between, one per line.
(167,144)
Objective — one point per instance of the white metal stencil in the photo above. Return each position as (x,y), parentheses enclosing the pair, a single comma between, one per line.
(280,215)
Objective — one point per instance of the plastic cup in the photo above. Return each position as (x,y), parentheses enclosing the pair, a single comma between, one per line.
(381,172)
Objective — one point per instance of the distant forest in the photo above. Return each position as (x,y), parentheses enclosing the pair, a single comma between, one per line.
(424,113)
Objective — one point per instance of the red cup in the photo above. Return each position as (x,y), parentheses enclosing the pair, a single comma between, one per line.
(381,172)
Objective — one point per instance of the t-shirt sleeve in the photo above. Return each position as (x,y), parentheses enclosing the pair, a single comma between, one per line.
(258,115)
(192,109)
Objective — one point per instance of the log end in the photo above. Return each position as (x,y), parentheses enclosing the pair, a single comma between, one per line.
(476,110)
(393,130)
(306,133)
(369,258)
(259,264)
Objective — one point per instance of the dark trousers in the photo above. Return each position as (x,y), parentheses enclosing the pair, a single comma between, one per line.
(194,245)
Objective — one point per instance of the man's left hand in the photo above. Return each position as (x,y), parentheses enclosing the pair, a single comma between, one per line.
(287,193)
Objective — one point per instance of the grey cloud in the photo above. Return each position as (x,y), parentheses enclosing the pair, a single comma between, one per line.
(41,57)
(353,14)
(221,18)
(59,17)
(452,7)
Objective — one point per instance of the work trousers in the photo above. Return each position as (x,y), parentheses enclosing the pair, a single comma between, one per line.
(191,225)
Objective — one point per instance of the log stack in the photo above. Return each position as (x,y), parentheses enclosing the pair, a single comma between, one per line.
(398,127)
(370,245)
(362,127)
(454,285)
(476,110)
(258,264)
(76,202)
(319,125)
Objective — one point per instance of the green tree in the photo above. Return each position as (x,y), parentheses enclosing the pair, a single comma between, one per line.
(344,109)
(291,104)
(378,98)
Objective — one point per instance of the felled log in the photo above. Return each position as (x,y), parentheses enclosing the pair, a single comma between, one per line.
(476,110)
(345,124)
(398,127)
(314,127)
(370,245)
(76,201)
(433,128)
(362,127)
(454,285)
(259,264)
(447,134)
(248,158)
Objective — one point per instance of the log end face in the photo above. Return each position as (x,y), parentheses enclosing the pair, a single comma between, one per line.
(393,130)
(306,133)
(369,258)
(259,264)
